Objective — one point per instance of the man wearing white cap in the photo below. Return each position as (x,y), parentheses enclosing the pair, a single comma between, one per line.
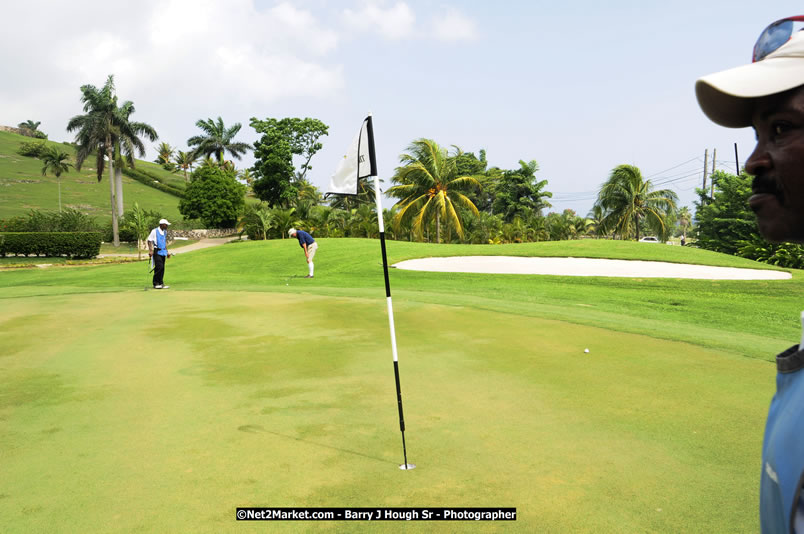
(308,244)
(157,250)
(768,95)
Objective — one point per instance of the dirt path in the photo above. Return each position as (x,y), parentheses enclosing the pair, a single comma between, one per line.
(176,248)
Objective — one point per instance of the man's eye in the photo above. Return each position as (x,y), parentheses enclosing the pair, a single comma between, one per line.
(780,128)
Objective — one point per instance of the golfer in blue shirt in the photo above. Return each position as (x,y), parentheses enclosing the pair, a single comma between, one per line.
(309,245)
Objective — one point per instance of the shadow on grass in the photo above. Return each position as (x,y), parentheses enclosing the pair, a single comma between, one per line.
(256,429)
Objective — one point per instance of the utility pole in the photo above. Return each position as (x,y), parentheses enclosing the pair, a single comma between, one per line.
(706,165)
(712,181)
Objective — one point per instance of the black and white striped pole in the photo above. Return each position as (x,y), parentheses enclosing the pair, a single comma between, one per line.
(378,197)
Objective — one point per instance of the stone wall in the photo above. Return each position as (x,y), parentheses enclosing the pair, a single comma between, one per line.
(201,233)
(18,131)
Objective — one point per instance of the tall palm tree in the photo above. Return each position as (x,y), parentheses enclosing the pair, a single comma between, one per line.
(217,139)
(628,200)
(106,131)
(126,145)
(430,186)
(55,162)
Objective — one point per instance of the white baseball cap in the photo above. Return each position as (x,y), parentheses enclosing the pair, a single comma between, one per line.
(291,231)
(163,221)
(727,97)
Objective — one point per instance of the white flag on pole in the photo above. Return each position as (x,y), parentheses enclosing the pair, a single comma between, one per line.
(359,162)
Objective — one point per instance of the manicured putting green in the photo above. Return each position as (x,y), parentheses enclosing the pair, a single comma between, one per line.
(164,411)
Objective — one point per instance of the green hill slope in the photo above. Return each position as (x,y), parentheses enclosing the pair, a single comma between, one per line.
(23,188)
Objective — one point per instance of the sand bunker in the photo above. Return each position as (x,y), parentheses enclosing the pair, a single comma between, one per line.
(586,267)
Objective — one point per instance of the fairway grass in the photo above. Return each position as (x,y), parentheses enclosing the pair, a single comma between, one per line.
(161,411)
(191,404)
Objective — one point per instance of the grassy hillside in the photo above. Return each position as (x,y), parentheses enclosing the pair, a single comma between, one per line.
(22,186)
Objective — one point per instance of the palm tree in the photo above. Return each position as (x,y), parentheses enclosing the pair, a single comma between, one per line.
(54,160)
(257,219)
(184,160)
(126,145)
(164,154)
(30,128)
(684,221)
(628,199)
(365,194)
(430,186)
(106,131)
(217,139)
(139,225)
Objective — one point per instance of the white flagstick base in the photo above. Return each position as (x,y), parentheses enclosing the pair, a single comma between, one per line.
(406,467)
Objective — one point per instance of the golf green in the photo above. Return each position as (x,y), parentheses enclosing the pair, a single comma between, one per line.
(148,411)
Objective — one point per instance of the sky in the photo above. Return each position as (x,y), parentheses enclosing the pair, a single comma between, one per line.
(580,87)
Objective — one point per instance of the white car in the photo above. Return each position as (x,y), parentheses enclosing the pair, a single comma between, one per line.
(648,239)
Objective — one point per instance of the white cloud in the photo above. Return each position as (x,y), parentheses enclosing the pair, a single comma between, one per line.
(454,26)
(394,22)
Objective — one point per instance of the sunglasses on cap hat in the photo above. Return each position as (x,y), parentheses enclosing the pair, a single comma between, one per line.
(775,35)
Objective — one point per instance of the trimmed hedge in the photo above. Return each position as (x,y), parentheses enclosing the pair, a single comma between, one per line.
(151,180)
(53,244)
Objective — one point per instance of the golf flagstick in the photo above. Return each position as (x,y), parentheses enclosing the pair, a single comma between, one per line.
(378,197)
(361,162)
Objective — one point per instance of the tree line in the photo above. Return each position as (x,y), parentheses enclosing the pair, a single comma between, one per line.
(442,195)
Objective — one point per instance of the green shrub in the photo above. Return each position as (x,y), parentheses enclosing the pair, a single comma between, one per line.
(787,255)
(67,220)
(151,180)
(31,149)
(53,244)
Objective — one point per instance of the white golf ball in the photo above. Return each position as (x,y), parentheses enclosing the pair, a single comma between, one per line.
(586,350)
(287,284)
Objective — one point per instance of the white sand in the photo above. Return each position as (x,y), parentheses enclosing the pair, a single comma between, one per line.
(586,267)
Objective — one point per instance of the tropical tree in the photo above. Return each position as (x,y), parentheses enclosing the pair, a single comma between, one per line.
(256,221)
(246,176)
(429,187)
(165,155)
(217,139)
(214,196)
(184,161)
(365,195)
(518,193)
(684,218)
(138,223)
(106,131)
(284,220)
(628,199)
(31,129)
(55,162)
(276,180)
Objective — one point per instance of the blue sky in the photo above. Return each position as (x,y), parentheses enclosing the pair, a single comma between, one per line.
(580,87)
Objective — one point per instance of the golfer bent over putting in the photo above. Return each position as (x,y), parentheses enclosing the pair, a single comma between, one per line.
(157,242)
(309,245)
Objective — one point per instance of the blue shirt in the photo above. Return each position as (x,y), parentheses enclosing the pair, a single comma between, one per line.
(304,238)
(783,448)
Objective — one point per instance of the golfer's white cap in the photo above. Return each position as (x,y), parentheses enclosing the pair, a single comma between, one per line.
(291,231)
(164,221)
(727,97)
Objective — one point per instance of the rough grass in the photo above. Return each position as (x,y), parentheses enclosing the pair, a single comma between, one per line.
(23,188)
(235,389)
